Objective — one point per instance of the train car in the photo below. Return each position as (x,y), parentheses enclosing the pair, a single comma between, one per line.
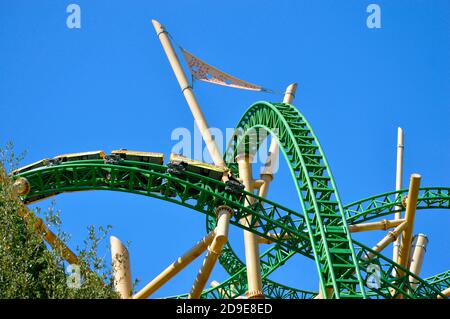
(80,156)
(29,167)
(137,156)
(212,171)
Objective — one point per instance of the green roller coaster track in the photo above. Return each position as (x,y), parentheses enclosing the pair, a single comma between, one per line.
(319,232)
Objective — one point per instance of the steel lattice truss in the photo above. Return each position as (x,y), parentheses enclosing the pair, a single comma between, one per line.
(317,229)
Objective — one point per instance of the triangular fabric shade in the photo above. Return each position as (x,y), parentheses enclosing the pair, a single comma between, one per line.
(207,73)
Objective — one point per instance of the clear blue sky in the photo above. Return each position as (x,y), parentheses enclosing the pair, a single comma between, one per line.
(108,85)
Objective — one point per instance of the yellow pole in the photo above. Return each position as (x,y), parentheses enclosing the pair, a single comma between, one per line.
(419,248)
(381,225)
(175,267)
(398,185)
(121,268)
(411,203)
(56,243)
(214,250)
(255,289)
(188,94)
(21,187)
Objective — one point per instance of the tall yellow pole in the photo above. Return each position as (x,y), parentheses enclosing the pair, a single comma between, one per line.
(419,247)
(255,289)
(188,94)
(398,185)
(121,268)
(175,267)
(214,250)
(411,203)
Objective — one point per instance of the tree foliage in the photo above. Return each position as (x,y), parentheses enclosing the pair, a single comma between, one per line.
(29,267)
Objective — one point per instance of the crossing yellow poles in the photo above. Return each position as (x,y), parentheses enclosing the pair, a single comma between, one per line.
(188,94)
(255,289)
(398,185)
(419,247)
(175,267)
(214,250)
(411,203)
(381,225)
(121,268)
(389,238)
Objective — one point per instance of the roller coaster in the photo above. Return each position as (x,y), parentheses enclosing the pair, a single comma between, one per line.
(320,228)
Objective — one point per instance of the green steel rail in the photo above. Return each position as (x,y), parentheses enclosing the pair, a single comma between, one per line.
(440,281)
(199,193)
(391,202)
(319,233)
(360,211)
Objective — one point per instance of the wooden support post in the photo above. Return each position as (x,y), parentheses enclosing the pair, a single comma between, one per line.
(175,267)
(410,214)
(214,250)
(189,94)
(121,268)
(419,248)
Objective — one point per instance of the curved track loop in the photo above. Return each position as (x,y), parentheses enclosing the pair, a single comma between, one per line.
(330,239)
(317,191)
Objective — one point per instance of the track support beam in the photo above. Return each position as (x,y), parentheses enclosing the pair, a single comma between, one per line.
(419,248)
(175,267)
(389,238)
(381,225)
(255,289)
(214,250)
(410,214)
